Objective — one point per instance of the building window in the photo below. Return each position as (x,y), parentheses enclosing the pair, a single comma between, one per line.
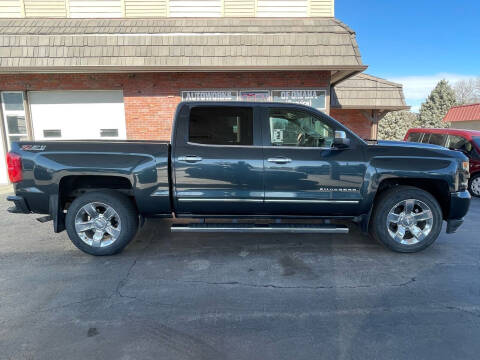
(57,133)
(316,98)
(255,95)
(109,132)
(14,116)
(221,126)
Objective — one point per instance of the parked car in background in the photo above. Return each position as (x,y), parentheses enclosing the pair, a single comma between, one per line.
(466,141)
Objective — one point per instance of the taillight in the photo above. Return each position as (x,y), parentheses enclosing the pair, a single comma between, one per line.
(14,163)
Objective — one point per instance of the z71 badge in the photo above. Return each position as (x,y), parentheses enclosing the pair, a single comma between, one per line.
(34,147)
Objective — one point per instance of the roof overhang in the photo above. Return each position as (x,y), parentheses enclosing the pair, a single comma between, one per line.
(129,69)
(45,45)
(372,107)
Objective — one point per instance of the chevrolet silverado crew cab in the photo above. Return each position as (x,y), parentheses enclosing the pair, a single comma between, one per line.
(243,167)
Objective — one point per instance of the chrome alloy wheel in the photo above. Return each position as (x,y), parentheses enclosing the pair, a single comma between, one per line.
(97,224)
(475,186)
(410,221)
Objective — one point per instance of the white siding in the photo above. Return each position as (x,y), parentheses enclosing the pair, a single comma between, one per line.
(282,8)
(146,8)
(195,8)
(96,8)
(11,8)
(239,8)
(45,8)
(322,8)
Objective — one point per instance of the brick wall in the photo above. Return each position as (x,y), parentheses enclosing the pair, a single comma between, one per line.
(151,98)
(354,120)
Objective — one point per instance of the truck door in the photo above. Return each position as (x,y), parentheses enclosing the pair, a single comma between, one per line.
(218,160)
(304,173)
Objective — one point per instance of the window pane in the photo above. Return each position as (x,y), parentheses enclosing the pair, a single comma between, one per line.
(16,124)
(109,132)
(52,133)
(298,128)
(414,137)
(17,138)
(426,138)
(13,101)
(221,126)
(437,139)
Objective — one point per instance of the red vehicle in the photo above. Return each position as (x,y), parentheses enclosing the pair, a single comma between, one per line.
(466,141)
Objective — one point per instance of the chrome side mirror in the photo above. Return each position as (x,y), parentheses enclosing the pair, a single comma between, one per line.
(341,140)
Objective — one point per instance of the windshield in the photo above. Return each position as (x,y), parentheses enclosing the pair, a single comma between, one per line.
(476,140)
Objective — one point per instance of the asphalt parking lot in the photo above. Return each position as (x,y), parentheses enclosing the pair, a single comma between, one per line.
(233,296)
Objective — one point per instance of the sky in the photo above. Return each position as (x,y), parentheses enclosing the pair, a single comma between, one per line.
(416,43)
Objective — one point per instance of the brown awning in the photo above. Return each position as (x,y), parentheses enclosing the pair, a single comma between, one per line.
(363,91)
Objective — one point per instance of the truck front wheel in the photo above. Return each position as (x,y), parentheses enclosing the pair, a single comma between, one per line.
(474,185)
(406,219)
(101,222)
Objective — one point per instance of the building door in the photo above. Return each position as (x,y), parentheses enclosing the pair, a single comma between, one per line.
(218,161)
(77,115)
(304,174)
(15,125)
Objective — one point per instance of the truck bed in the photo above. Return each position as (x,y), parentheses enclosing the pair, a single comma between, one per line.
(144,164)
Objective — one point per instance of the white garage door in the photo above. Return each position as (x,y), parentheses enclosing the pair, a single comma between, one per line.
(3,164)
(77,115)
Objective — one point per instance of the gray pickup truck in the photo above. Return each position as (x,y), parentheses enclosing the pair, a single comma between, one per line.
(276,167)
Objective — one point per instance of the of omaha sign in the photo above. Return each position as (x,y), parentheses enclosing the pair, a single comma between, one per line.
(313,98)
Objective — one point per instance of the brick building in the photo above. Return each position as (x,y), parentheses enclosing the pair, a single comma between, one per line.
(121,73)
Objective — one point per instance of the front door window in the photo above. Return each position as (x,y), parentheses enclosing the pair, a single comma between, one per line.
(14,116)
(298,128)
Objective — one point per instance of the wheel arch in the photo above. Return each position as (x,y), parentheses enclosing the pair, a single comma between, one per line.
(438,188)
(72,186)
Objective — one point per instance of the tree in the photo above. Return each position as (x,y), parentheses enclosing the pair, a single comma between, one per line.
(434,109)
(467,91)
(395,124)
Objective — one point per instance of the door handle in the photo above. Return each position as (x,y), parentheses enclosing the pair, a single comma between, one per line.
(190,158)
(279,160)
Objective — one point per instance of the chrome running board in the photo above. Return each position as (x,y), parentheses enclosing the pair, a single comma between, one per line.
(261,228)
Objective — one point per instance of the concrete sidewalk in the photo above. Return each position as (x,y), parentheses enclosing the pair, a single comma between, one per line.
(6,189)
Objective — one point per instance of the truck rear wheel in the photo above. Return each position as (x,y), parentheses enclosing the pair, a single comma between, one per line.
(101,222)
(406,219)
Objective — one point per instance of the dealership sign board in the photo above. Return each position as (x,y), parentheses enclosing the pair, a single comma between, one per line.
(313,98)
(209,95)
(309,97)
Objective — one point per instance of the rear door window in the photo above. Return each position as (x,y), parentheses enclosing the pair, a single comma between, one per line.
(426,138)
(414,137)
(221,125)
(437,139)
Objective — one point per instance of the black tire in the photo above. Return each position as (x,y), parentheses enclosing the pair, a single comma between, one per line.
(476,178)
(126,212)
(387,201)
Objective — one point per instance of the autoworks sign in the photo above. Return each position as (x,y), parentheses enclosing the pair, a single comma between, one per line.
(221,95)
